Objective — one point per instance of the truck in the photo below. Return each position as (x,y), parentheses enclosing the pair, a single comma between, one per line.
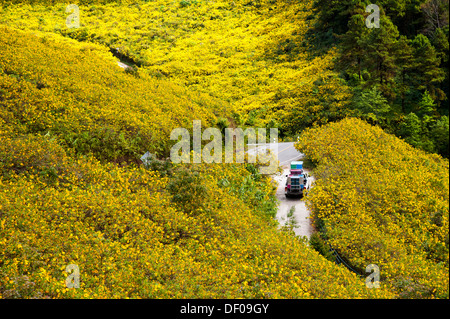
(296,180)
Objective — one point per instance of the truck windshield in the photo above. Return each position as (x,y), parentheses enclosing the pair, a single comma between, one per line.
(295,181)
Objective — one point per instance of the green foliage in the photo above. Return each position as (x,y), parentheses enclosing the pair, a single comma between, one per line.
(24,289)
(105,144)
(411,129)
(319,245)
(222,123)
(259,68)
(423,129)
(135,234)
(133,70)
(185,3)
(405,59)
(187,191)
(427,73)
(371,105)
(32,155)
(164,167)
(426,106)
(291,222)
(439,133)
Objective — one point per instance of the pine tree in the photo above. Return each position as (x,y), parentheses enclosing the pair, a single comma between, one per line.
(335,14)
(441,44)
(426,106)
(410,129)
(404,61)
(439,134)
(427,75)
(381,55)
(372,105)
(353,49)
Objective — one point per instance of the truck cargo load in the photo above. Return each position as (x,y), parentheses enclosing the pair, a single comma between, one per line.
(296,171)
(296,165)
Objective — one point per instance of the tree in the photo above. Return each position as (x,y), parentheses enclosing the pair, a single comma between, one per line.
(372,105)
(404,61)
(381,46)
(440,135)
(335,14)
(410,129)
(416,133)
(406,15)
(353,49)
(426,106)
(441,44)
(436,14)
(427,75)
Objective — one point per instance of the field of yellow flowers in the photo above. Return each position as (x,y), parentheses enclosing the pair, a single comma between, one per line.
(77,91)
(239,51)
(73,125)
(131,238)
(379,201)
(200,231)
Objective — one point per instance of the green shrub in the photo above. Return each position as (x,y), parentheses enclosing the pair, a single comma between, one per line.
(320,246)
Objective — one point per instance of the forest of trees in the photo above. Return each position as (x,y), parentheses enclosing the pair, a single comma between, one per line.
(398,72)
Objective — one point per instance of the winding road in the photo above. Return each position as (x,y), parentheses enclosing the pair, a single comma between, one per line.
(286,154)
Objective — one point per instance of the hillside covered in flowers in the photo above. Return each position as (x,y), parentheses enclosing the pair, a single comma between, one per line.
(379,200)
(194,232)
(74,191)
